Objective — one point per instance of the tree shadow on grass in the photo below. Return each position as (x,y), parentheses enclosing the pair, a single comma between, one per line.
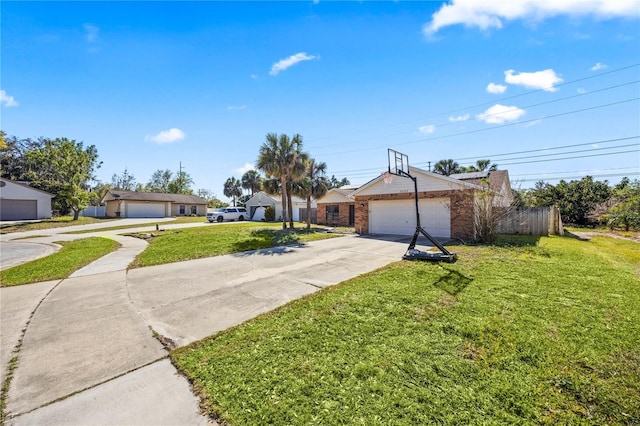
(268,242)
(453,282)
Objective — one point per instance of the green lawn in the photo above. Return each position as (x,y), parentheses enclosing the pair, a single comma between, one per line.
(72,256)
(528,331)
(194,243)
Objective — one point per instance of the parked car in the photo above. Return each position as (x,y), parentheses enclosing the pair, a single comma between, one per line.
(228,214)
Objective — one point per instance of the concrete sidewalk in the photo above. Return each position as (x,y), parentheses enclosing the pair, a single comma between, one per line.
(89,355)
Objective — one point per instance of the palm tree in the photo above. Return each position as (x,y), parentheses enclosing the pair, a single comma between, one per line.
(446,167)
(278,158)
(232,189)
(483,165)
(251,181)
(314,184)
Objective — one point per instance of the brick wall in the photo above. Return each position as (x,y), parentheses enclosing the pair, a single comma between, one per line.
(343,214)
(461,202)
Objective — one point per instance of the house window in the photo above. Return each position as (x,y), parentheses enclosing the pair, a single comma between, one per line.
(194,209)
(182,209)
(333,213)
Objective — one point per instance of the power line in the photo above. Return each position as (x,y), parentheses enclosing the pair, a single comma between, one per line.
(573,158)
(588,172)
(492,156)
(484,103)
(544,179)
(494,127)
(497,113)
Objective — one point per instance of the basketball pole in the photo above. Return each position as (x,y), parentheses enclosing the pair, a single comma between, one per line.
(419,228)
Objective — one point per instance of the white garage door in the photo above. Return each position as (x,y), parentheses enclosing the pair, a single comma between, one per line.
(145,210)
(399,217)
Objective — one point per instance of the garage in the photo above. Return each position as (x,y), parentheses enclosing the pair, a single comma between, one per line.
(18,209)
(145,210)
(398,217)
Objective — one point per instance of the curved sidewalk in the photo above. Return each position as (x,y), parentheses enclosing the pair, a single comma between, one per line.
(89,355)
(86,356)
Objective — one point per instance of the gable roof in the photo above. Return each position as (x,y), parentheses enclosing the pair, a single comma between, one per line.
(112,194)
(275,197)
(24,184)
(417,171)
(497,178)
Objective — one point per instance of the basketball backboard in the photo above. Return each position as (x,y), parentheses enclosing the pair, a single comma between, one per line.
(398,163)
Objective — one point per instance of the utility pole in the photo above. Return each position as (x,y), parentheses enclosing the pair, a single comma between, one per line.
(429,165)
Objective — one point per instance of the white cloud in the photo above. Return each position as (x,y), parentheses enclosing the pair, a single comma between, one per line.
(167,136)
(488,14)
(236,107)
(582,91)
(459,118)
(92,32)
(496,88)
(544,80)
(244,169)
(7,100)
(283,64)
(427,130)
(498,114)
(599,66)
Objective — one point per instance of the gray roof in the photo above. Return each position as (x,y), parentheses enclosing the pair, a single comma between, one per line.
(470,175)
(152,196)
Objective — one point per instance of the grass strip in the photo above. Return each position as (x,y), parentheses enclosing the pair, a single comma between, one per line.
(57,222)
(529,331)
(72,256)
(194,243)
(176,221)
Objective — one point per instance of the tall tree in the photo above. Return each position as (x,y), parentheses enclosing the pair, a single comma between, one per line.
(160,180)
(181,184)
(446,167)
(232,189)
(277,158)
(335,183)
(124,182)
(314,184)
(251,181)
(68,166)
(480,166)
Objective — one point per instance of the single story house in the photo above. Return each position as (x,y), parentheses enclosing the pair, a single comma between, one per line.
(152,204)
(446,204)
(18,201)
(337,207)
(256,206)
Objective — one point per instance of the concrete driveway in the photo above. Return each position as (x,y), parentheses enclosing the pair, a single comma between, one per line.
(86,347)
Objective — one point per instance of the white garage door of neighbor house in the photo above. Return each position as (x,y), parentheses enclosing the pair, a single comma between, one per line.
(145,210)
(399,217)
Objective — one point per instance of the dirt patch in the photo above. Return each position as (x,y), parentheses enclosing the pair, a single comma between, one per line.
(587,235)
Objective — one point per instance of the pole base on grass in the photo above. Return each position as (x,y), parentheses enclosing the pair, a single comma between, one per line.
(414,254)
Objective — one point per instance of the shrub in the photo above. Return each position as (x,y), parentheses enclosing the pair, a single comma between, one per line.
(269,214)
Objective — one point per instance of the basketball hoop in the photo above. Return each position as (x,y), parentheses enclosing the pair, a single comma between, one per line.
(387,177)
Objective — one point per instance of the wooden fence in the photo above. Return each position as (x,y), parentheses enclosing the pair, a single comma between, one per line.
(532,221)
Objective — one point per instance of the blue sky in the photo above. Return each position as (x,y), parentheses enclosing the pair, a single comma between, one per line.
(545,90)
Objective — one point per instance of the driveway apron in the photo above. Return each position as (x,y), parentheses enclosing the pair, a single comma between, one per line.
(187,301)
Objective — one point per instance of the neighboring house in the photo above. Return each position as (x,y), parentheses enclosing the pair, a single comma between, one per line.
(152,204)
(18,201)
(256,205)
(497,180)
(446,204)
(337,207)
